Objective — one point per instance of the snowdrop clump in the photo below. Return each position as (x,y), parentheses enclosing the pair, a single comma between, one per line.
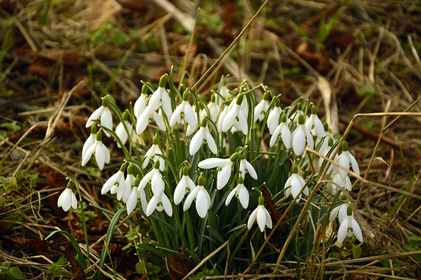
(206,151)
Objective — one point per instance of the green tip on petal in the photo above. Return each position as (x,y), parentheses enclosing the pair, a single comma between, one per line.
(294,169)
(261,200)
(234,157)
(313,109)
(186,96)
(163,81)
(266,96)
(155,139)
(239,99)
(123,167)
(203,123)
(349,210)
(94,129)
(344,146)
(283,118)
(156,164)
(144,89)
(99,135)
(213,98)
(300,119)
(186,171)
(201,181)
(330,142)
(126,115)
(130,169)
(240,180)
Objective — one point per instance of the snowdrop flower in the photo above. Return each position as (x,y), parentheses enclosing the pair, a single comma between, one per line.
(282,130)
(115,182)
(66,199)
(223,94)
(294,184)
(224,168)
(246,167)
(121,131)
(327,135)
(349,227)
(325,152)
(159,202)
(153,177)
(262,107)
(140,104)
(91,140)
(241,192)
(129,183)
(184,186)
(102,155)
(301,136)
(153,154)
(214,108)
(201,196)
(314,124)
(261,215)
(203,136)
(147,117)
(103,114)
(339,211)
(346,159)
(132,201)
(273,118)
(160,98)
(184,111)
(346,184)
(236,117)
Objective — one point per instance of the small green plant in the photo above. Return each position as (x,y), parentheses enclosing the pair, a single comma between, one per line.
(8,272)
(56,269)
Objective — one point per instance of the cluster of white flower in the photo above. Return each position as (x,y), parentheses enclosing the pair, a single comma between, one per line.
(208,124)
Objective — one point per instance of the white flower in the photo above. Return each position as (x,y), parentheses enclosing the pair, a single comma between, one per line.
(184,186)
(66,199)
(339,211)
(147,117)
(241,192)
(246,167)
(153,154)
(103,114)
(282,130)
(90,141)
(294,184)
(153,177)
(273,118)
(132,201)
(236,117)
(115,181)
(221,117)
(224,168)
(102,155)
(160,98)
(140,104)
(261,215)
(159,202)
(223,93)
(349,227)
(214,109)
(201,196)
(325,152)
(346,159)
(184,110)
(346,184)
(301,136)
(202,136)
(122,132)
(314,124)
(261,108)
(129,183)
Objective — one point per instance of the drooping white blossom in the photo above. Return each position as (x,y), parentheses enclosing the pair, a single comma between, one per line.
(349,227)
(102,155)
(261,109)
(161,99)
(246,167)
(301,137)
(203,136)
(236,117)
(261,216)
(185,185)
(201,195)
(241,192)
(115,181)
(154,153)
(282,131)
(295,184)
(103,114)
(184,111)
(314,124)
(273,118)
(224,168)
(347,160)
(67,199)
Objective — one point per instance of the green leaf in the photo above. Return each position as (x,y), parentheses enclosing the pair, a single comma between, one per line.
(140,267)
(15,273)
(356,252)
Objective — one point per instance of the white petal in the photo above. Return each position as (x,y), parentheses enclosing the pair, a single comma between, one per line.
(344,161)
(140,105)
(223,176)
(166,103)
(242,119)
(211,163)
(100,156)
(157,183)
(286,136)
(268,218)
(261,218)
(167,204)
(299,141)
(145,180)
(107,120)
(230,119)
(230,196)
(94,116)
(143,201)
(155,99)
(211,142)
(357,230)
(88,143)
(334,213)
(343,230)
(121,134)
(159,120)
(180,191)
(131,201)
(87,156)
(74,201)
(142,122)
(250,169)
(190,116)
(189,199)
(243,196)
(109,183)
(202,205)
(176,116)
(252,218)
(196,142)
(151,205)
(354,164)
(343,212)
